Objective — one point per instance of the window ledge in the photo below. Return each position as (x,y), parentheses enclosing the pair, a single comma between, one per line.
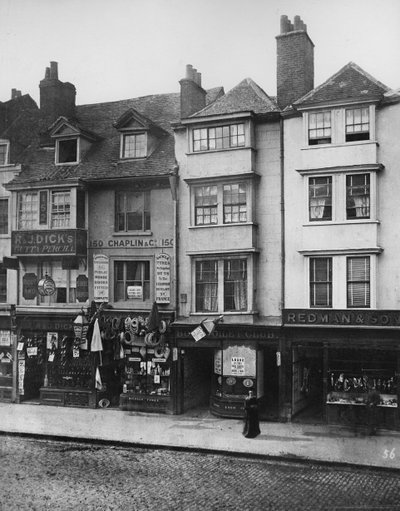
(239,224)
(69,163)
(342,144)
(132,233)
(192,153)
(132,158)
(324,223)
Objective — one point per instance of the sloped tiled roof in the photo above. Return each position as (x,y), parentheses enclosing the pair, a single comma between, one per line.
(247,96)
(348,83)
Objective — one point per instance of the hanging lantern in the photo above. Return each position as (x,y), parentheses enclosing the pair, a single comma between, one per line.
(81,325)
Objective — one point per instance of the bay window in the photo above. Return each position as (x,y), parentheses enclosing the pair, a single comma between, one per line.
(357,124)
(28,210)
(60,209)
(357,196)
(320,198)
(221,285)
(45,209)
(206,203)
(221,137)
(319,128)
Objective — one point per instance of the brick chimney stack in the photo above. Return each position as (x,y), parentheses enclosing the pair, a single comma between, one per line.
(295,61)
(56,98)
(193,96)
(15,93)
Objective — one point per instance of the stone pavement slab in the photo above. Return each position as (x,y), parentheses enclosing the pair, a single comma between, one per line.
(321,443)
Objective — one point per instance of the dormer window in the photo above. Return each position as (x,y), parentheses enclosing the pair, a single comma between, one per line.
(4,152)
(67,151)
(134,145)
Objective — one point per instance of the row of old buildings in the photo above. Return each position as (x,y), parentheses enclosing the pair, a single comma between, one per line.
(266,223)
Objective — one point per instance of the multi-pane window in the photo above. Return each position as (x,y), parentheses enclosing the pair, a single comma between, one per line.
(205,204)
(221,137)
(3,216)
(67,151)
(4,153)
(358,196)
(358,281)
(320,282)
(132,211)
(131,280)
(60,209)
(319,128)
(28,210)
(235,203)
(221,204)
(320,198)
(3,285)
(221,283)
(235,285)
(134,145)
(207,286)
(357,124)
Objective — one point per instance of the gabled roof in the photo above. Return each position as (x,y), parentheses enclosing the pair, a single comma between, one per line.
(132,119)
(63,127)
(247,96)
(350,82)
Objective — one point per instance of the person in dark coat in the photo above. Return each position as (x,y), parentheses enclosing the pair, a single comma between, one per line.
(252,424)
(373,401)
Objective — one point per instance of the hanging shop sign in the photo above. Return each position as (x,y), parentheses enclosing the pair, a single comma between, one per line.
(163,278)
(46,286)
(5,338)
(100,278)
(29,286)
(349,318)
(66,242)
(82,288)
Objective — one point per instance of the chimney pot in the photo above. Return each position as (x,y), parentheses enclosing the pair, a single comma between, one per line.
(13,93)
(189,71)
(198,75)
(284,24)
(54,70)
(47,73)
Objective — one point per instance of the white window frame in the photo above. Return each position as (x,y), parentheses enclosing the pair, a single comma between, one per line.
(220,202)
(5,143)
(339,191)
(129,302)
(78,150)
(63,214)
(338,125)
(146,194)
(339,278)
(220,297)
(133,134)
(207,129)
(35,225)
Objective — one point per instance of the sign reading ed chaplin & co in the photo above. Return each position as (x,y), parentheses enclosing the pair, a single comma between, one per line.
(335,317)
(63,242)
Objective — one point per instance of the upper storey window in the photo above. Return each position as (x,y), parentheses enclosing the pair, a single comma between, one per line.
(132,211)
(340,125)
(319,128)
(357,124)
(134,145)
(4,152)
(221,137)
(33,209)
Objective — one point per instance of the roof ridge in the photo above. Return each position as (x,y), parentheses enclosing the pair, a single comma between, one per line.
(102,103)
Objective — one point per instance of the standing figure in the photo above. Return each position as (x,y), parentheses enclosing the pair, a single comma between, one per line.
(372,403)
(251,425)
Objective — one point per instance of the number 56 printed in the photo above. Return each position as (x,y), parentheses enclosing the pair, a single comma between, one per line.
(389,454)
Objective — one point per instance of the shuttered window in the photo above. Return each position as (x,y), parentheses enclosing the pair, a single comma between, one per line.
(358,282)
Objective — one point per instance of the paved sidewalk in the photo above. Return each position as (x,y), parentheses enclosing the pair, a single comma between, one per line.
(323,443)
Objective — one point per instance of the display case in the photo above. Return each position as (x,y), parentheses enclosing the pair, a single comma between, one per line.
(69,374)
(147,378)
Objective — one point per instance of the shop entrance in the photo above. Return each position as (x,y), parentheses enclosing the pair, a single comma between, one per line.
(307,385)
(197,377)
(269,403)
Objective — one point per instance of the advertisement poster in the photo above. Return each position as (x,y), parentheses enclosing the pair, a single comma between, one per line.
(100,278)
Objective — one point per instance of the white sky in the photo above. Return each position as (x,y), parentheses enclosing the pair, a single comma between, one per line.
(117,49)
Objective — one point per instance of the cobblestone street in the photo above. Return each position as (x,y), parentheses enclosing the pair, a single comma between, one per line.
(40,475)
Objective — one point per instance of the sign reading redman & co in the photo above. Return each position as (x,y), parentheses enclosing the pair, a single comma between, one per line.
(63,242)
(346,317)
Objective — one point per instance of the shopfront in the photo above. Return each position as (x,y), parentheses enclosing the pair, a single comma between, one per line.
(339,360)
(218,371)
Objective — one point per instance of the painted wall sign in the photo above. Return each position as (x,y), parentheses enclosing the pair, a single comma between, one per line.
(349,318)
(65,242)
(132,243)
(163,278)
(43,207)
(82,288)
(29,286)
(100,278)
